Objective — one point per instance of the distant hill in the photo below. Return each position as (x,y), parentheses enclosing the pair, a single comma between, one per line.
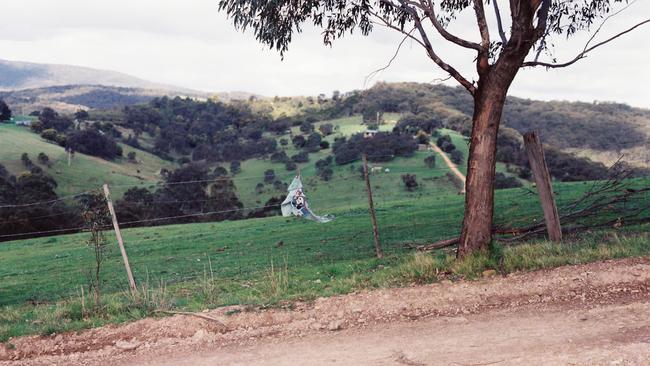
(70,98)
(16,75)
(28,86)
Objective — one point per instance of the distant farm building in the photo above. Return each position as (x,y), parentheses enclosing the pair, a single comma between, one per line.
(370,133)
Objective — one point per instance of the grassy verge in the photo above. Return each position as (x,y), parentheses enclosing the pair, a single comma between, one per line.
(279,283)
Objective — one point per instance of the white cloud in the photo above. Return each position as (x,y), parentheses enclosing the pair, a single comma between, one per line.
(188,43)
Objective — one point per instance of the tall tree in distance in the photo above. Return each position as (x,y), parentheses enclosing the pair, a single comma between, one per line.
(498,55)
(5,112)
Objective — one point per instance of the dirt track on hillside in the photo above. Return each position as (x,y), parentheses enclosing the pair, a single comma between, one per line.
(451,165)
(595,314)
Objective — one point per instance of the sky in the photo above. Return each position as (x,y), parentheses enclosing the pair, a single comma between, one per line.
(190,44)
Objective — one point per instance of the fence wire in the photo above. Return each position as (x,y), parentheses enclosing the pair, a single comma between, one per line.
(51,268)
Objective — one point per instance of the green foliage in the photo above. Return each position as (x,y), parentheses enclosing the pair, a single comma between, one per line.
(5,112)
(445,143)
(502,181)
(235,167)
(456,156)
(326,128)
(97,218)
(381,147)
(410,182)
(92,142)
(43,159)
(205,199)
(430,161)
(27,188)
(269,176)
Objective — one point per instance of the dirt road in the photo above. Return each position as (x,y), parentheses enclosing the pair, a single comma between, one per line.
(608,335)
(595,314)
(450,164)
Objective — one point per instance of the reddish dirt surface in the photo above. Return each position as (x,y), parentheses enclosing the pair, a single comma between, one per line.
(593,314)
(450,164)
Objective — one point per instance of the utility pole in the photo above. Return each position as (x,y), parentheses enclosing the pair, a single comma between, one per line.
(371,206)
(535,152)
(118,234)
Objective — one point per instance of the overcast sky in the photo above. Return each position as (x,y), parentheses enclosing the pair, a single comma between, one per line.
(188,43)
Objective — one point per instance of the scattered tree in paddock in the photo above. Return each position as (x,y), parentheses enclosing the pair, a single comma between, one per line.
(410,181)
(269,176)
(326,128)
(5,112)
(430,161)
(456,157)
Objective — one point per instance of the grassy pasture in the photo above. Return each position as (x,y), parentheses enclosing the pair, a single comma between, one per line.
(86,172)
(46,269)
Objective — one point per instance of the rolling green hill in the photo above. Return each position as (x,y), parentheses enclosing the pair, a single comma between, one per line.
(346,182)
(85,172)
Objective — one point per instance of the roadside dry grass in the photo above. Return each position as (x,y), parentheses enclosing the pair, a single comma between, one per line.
(280,285)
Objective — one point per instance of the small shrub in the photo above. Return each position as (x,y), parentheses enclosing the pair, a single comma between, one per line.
(220,172)
(444,142)
(430,161)
(456,157)
(301,157)
(49,134)
(410,182)
(235,167)
(290,165)
(43,159)
(501,181)
(326,129)
(269,176)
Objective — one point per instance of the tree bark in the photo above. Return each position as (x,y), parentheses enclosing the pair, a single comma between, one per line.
(476,233)
(489,98)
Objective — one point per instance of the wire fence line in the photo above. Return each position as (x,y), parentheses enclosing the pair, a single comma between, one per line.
(350,176)
(244,249)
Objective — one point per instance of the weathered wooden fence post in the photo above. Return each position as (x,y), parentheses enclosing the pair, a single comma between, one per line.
(118,234)
(535,152)
(371,206)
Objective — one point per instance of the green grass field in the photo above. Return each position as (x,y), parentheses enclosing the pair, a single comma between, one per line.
(51,268)
(86,172)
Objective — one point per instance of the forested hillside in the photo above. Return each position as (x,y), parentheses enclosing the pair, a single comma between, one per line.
(242,153)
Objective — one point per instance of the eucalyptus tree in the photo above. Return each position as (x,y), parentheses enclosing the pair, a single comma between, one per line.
(498,53)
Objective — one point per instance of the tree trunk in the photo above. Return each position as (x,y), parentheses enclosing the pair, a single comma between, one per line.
(476,233)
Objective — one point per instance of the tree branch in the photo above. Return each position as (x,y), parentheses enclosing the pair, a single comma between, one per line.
(583,54)
(502,34)
(430,13)
(387,24)
(424,42)
(482,24)
(432,54)
(399,46)
(483,60)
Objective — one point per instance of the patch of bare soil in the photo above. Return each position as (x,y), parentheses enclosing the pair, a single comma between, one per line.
(597,313)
